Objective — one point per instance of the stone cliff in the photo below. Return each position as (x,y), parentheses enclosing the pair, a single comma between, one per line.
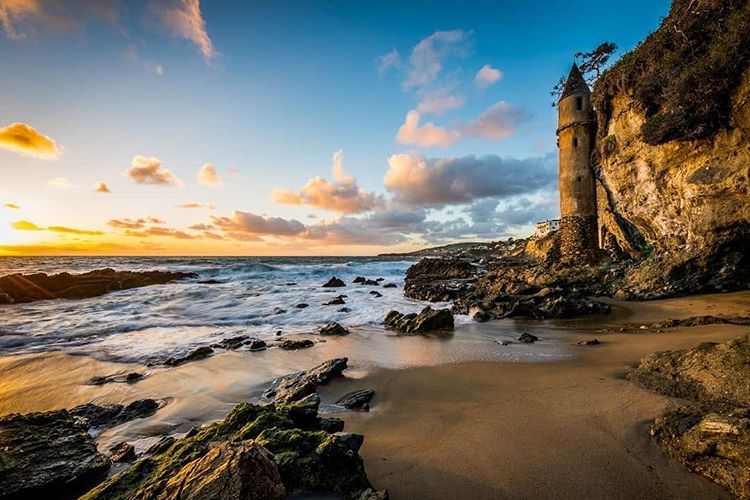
(673,154)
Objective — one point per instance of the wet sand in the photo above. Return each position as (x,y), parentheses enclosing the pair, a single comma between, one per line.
(456,416)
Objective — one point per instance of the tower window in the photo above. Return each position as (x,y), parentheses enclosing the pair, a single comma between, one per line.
(579,103)
(575,142)
(579,178)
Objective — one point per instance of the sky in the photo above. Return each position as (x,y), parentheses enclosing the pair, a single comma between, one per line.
(181,127)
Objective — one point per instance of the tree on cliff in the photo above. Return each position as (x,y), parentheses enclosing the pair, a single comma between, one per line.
(591,65)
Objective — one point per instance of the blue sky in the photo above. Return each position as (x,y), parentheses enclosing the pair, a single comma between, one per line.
(273,90)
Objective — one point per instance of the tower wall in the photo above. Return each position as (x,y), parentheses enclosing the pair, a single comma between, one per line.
(576,136)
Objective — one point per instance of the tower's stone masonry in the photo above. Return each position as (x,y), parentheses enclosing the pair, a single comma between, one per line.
(576,135)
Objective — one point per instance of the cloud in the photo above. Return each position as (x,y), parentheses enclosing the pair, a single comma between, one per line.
(418,181)
(61,183)
(24,225)
(20,19)
(427,135)
(245,222)
(12,206)
(208,175)
(149,170)
(101,187)
(196,205)
(70,230)
(154,220)
(160,231)
(127,223)
(133,55)
(387,61)
(487,75)
(185,20)
(202,227)
(342,195)
(497,123)
(426,59)
(25,139)
(437,104)
(233,172)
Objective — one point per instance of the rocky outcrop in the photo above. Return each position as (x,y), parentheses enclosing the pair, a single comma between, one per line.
(194,355)
(439,280)
(246,454)
(296,386)
(231,471)
(334,329)
(95,416)
(711,435)
(334,282)
(428,320)
(674,142)
(707,372)
(295,344)
(43,455)
(357,400)
(20,288)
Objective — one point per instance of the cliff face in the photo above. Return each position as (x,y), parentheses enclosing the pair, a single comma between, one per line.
(673,146)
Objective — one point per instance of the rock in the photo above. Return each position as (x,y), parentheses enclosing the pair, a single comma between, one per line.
(357,400)
(161,446)
(128,378)
(210,282)
(195,355)
(344,310)
(705,373)
(390,285)
(20,288)
(712,442)
(336,302)
(122,452)
(231,471)
(359,279)
(334,283)
(370,283)
(379,279)
(103,416)
(370,494)
(427,320)
(297,386)
(302,305)
(311,461)
(332,424)
(478,314)
(589,342)
(44,455)
(334,329)
(279,310)
(293,345)
(527,338)
(256,344)
(232,342)
(376,294)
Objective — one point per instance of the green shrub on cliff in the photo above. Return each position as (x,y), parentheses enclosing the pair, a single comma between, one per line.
(684,73)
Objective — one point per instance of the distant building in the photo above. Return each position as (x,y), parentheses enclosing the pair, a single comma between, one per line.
(546,227)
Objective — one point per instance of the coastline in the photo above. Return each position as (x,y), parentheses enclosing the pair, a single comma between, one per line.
(444,422)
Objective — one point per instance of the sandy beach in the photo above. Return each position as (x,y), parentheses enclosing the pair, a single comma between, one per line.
(453,417)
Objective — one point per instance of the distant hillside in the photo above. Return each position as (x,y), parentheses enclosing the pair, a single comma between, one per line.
(464,249)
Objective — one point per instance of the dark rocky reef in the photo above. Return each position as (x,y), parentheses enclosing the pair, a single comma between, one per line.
(52,454)
(257,451)
(710,435)
(299,385)
(20,288)
(428,320)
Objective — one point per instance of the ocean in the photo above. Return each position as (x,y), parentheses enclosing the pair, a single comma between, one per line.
(254,296)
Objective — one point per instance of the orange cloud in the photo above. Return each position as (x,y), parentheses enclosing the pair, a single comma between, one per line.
(149,170)
(25,139)
(427,135)
(245,222)
(21,18)
(101,187)
(487,75)
(160,231)
(343,195)
(497,123)
(70,230)
(185,20)
(196,205)
(60,182)
(208,175)
(12,206)
(127,223)
(24,225)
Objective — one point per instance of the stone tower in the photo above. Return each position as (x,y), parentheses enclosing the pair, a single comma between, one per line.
(576,134)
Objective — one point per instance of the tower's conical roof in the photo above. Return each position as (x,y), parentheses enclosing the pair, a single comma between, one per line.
(575,83)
